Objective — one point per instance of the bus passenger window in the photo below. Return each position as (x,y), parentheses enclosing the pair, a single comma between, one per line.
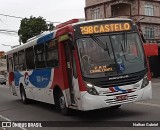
(15,56)
(40,56)
(21,59)
(30,58)
(51,48)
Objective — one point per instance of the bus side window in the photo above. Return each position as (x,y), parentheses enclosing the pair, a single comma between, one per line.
(51,48)
(15,57)
(30,58)
(21,59)
(40,56)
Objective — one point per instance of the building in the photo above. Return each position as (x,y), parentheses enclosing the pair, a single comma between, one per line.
(3,64)
(146,10)
(2,54)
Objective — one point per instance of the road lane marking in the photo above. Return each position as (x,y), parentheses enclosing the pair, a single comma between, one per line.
(10,120)
(148,104)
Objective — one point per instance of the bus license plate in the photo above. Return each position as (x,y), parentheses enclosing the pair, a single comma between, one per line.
(122,97)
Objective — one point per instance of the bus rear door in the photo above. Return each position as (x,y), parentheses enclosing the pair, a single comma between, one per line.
(11,75)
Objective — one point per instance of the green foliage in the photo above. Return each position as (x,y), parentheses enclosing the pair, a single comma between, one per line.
(50,27)
(32,27)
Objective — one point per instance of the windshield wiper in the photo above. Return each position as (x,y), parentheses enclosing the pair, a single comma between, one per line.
(100,43)
(125,43)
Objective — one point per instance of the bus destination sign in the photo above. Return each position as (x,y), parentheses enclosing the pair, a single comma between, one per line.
(104,28)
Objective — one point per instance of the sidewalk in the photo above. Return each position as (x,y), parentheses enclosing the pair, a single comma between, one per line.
(155,80)
(2,128)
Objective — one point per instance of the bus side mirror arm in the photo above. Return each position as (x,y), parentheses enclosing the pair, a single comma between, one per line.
(142,36)
(71,45)
(71,41)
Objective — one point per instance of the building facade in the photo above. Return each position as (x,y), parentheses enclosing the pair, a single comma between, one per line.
(2,54)
(3,64)
(3,67)
(147,11)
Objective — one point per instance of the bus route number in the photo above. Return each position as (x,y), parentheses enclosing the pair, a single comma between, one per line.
(104,28)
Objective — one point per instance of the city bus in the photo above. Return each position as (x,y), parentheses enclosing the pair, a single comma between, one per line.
(82,65)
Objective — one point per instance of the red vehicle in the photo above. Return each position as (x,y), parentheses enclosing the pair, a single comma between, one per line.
(83,65)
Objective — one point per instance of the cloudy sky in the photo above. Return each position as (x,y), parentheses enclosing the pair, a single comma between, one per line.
(51,10)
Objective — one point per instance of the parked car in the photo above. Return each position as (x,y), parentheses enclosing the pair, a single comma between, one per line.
(2,80)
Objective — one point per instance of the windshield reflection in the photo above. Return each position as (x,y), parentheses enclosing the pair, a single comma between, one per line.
(124,55)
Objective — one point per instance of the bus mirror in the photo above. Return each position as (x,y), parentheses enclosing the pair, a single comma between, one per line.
(71,41)
(71,44)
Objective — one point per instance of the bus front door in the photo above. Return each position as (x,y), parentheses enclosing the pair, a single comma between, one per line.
(69,66)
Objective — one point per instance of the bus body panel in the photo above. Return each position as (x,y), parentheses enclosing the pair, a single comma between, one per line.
(91,102)
(39,84)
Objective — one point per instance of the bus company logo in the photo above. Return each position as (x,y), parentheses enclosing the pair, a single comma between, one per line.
(41,79)
(26,78)
(119,77)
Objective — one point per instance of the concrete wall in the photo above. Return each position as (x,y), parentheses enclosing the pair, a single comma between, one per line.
(105,7)
(156,6)
(93,2)
(89,12)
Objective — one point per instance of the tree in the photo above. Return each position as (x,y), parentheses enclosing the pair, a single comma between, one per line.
(51,26)
(32,27)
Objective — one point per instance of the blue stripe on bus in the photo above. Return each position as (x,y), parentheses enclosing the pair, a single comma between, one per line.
(119,89)
(45,38)
(40,78)
(17,76)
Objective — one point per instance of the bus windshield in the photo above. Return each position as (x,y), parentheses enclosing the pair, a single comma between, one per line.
(110,55)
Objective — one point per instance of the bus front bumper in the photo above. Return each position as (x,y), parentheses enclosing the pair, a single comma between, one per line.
(91,102)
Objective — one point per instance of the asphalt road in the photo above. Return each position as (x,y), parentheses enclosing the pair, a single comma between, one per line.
(11,109)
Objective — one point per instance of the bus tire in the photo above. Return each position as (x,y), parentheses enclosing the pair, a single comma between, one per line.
(62,104)
(115,107)
(23,95)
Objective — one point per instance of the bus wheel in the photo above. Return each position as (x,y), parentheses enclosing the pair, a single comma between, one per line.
(115,107)
(62,104)
(23,95)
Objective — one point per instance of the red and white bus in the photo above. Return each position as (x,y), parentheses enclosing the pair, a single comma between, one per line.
(82,65)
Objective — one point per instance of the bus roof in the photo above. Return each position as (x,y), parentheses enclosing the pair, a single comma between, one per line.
(45,36)
(98,20)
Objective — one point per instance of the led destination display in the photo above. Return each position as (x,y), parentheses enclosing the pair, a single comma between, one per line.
(103,28)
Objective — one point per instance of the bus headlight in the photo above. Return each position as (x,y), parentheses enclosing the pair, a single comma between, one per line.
(145,82)
(91,89)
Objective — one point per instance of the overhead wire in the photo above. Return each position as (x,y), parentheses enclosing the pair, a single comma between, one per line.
(22,17)
(9,32)
(14,32)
